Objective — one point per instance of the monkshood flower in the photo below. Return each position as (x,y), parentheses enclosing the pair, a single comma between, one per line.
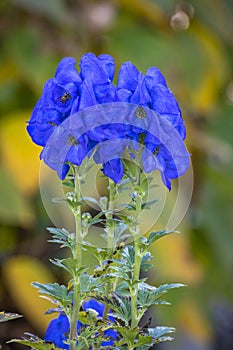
(70,92)
(114,128)
(58,329)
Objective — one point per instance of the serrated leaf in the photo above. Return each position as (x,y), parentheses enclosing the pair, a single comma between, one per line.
(61,236)
(149,295)
(144,340)
(155,236)
(159,332)
(55,291)
(7,316)
(92,200)
(69,265)
(148,205)
(34,343)
(144,263)
(89,283)
(120,306)
(128,334)
(99,253)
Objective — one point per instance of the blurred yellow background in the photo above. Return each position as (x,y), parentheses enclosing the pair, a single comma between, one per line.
(191,43)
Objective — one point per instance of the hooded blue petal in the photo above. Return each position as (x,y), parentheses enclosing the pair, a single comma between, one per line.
(114,169)
(57,331)
(127,78)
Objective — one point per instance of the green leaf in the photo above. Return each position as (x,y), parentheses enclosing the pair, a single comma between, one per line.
(120,306)
(69,265)
(155,236)
(144,263)
(99,253)
(55,291)
(149,295)
(34,343)
(89,283)
(128,334)
(7,316)
(61,236)
(147,205)
(68,183)
(159,334)
(144,340)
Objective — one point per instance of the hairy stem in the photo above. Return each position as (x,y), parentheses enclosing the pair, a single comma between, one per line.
(77,254)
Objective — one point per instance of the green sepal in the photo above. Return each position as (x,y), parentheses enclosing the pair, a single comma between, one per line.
(7,316)
(55,291)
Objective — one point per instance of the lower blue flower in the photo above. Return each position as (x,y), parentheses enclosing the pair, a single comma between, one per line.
(58,329)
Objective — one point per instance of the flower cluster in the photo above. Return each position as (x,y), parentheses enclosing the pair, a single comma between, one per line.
(58,329)
(65,110)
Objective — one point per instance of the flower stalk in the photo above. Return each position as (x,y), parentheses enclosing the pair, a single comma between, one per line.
(137,262)
(77,255)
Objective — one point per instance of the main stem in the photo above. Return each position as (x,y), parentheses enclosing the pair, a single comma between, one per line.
(110,236)
(77,255)
(137,264)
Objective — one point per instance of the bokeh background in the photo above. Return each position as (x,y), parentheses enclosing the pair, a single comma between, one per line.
(191,42)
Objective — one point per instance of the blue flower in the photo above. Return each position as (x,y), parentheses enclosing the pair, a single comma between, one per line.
(139,110)
(55,104)
(58,329)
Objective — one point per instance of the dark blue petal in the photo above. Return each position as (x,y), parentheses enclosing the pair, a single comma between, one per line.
(42,124)
(93,69)
(107,62)
(87,95)
(114,169)
(57,331)
(141,95)
(124,95)
(127,78)
(154,77)
(95,305)
(105,93)
(66,72)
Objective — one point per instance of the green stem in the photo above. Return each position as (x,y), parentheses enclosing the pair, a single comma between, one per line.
(137,263)
(110,237)
(109,216)
(77,254)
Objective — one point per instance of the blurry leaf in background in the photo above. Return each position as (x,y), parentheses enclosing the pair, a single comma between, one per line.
(19,155)
(180,266)
(52,9)
(18,273)
(14,207)
(193,321)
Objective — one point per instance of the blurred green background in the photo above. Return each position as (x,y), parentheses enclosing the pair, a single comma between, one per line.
(191,42)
